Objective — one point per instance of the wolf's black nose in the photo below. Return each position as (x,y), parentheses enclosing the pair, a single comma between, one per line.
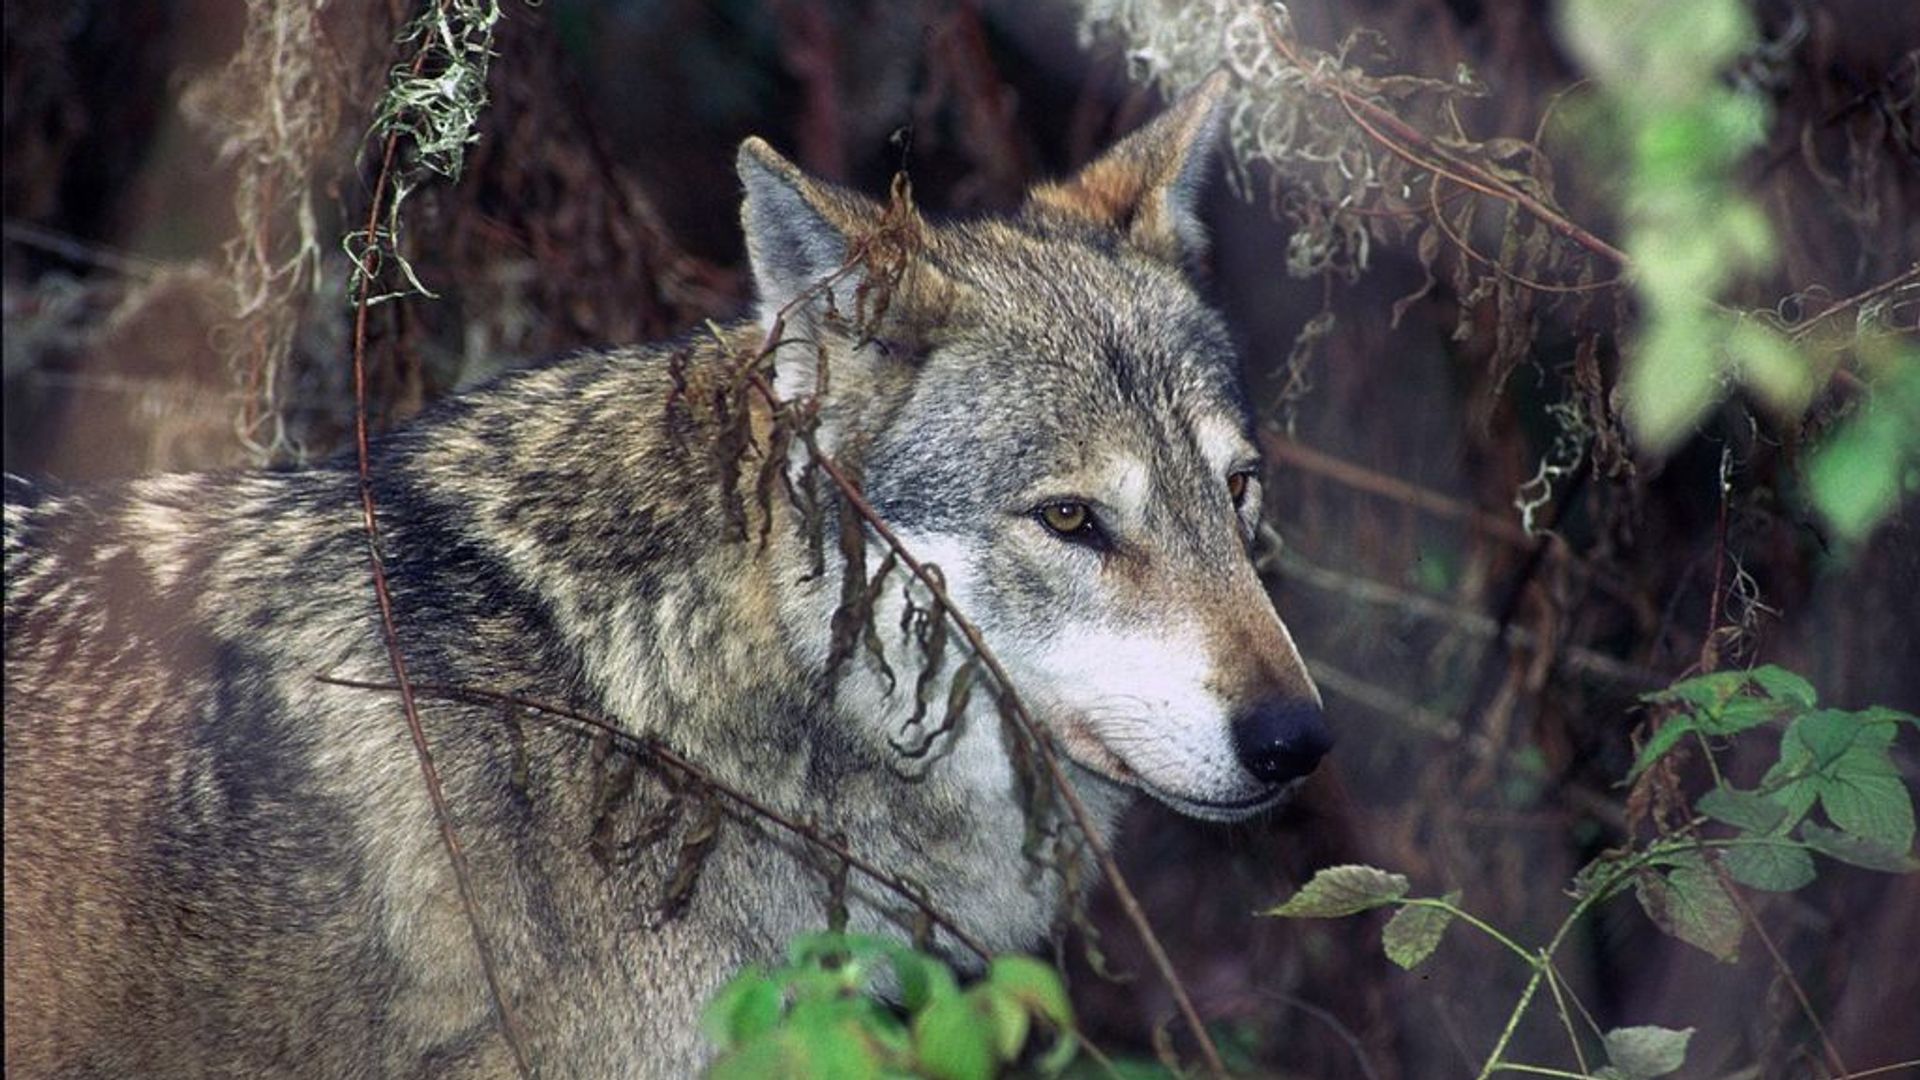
(1281,741)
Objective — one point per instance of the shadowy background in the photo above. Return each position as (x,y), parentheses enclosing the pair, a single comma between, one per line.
(1482,681)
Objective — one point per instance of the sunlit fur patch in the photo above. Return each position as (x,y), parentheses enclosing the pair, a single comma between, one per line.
(1134,706)
(1221,443)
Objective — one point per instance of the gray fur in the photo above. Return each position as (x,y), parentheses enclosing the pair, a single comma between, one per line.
(218,865)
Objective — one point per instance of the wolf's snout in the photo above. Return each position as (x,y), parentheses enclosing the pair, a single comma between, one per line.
(1282,740)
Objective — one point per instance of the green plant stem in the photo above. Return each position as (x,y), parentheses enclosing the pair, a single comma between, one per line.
(1544,960)
(1566,1018)
(1713,767)
(1467,917)
(1493,1064)
(1541,1070)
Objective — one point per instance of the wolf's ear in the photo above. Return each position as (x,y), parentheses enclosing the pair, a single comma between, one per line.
(1148,185)
(798,229)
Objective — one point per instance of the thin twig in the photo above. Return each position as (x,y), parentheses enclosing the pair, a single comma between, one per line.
(1566,1018)
(1710,644)
(648,746)
(84,252)
(1783,969)
(1361,478)
(1806,325)
(456,855)
(1498,267)
(1328,1020)
(1476,624)
(1476,177)
(1381,700)
(1882,1070)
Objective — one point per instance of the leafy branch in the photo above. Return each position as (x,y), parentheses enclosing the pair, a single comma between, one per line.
(1684,879)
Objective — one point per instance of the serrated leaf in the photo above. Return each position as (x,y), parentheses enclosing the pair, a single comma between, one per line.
(1876,808)
(1775,866)
(1826,734)
(1343,890)
(952,1041)
(1742,809)
(1690,903)
(1856,850)
(1647,1051)
(1415,931)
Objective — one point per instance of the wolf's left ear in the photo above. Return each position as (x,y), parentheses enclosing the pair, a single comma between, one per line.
(1148,186)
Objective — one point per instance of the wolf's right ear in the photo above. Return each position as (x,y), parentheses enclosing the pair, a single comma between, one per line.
(1147,187)
(798,230)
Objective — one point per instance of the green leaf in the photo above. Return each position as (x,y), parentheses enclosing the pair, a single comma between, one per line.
(1672,372)
(1850,761)
(1701,693)
(1783,685)
(1642,1053)
(1881,714)
(952,1041)
(748,1006)
(836,1050)
(1826,734)
(1743,713)
(1772,865)
(1676,728)
(1876,808)
(1770,364)
(778,1056)
(923,979)
(1741,809)
(1343,890)
(1854,476)
(1857,850)
(1008,1019)
(1034,985)
(1690,903)
(1415,931)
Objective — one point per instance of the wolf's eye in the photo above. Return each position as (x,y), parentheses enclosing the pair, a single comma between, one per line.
(1067,518)
(1237,487)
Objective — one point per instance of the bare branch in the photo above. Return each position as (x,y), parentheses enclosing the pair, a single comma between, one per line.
(651,747)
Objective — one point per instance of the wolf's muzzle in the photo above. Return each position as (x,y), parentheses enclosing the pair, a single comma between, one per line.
(1278,741)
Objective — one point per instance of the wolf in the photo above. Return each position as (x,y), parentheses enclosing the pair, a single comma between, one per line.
(220,857)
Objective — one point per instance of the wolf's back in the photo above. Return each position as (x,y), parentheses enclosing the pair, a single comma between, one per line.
(167,829)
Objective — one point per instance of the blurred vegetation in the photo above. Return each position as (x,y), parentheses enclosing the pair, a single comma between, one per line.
(1583,338)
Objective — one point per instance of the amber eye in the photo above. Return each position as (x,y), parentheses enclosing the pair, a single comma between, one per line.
(1237,487)
(1066,518)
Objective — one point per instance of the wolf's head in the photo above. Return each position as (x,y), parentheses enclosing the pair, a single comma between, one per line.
(1044,406)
